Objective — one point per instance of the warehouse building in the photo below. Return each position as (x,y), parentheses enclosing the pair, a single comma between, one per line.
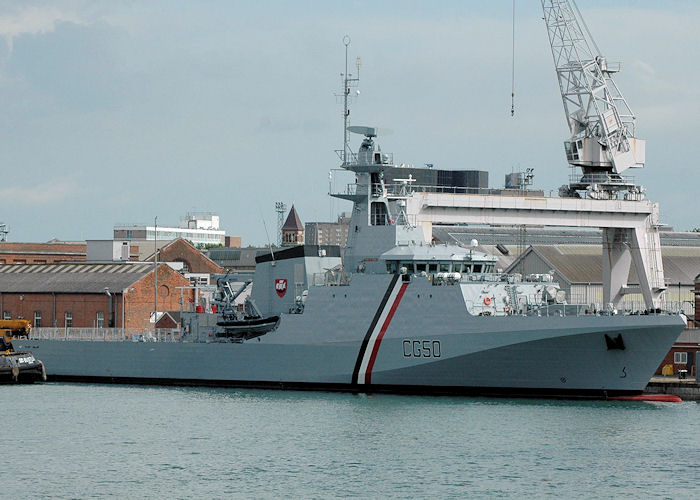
(87,295)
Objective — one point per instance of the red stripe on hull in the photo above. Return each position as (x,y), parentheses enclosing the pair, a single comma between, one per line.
(375,348)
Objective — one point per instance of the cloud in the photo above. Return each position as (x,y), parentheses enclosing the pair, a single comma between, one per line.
(40,194)
(33,21)
(644,67)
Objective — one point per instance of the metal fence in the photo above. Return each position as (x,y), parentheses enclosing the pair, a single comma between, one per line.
(107,334)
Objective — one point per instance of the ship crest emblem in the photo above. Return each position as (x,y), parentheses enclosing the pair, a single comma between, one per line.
(281,287)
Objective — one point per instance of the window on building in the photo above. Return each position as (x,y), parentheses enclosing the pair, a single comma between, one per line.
(100,323)
(37,319)
(6,315)
(185,265)
(69,319)
(680,358)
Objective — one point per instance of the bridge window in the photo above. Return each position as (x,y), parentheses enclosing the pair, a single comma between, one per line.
(432,267)
(421,267)
(378,216)
(477,268)
(444,267)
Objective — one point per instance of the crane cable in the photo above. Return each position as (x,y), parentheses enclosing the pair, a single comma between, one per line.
(512,87)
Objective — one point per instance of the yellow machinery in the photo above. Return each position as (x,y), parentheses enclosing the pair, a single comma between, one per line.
(13,328)
(17,366)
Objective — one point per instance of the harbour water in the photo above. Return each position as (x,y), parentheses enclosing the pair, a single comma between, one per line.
(101,441)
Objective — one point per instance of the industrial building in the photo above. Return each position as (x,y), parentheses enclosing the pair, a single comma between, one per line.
(201,228)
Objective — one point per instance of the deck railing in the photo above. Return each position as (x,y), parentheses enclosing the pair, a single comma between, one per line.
(107,334)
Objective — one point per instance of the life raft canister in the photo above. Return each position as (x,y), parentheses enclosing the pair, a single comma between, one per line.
(487,301)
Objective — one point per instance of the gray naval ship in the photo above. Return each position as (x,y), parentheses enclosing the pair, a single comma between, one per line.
(395,314)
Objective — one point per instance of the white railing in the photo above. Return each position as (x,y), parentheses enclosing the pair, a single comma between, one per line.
(107,334)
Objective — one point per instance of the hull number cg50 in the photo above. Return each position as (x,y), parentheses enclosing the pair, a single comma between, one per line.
(421,349)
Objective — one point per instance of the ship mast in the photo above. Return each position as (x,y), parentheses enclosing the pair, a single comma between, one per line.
(349,82)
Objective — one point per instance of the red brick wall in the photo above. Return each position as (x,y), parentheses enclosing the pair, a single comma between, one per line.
(41,253)
(83,306)
(668,360)
(232,241)
(138,303)
(140,299)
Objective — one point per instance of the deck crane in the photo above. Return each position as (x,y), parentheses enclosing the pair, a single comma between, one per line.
(603,142)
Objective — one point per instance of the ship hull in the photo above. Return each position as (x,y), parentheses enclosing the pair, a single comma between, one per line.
(382,335)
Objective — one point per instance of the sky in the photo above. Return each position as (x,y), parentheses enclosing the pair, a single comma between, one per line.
(116,112)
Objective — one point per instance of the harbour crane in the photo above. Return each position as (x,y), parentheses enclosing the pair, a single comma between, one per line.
(603,139)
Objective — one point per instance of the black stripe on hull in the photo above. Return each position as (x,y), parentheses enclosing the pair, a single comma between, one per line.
(372,326)
(506,392)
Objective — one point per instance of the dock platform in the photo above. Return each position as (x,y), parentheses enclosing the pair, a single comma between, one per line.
(687,389)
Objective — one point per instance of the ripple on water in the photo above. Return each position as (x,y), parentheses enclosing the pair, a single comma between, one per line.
(128,441)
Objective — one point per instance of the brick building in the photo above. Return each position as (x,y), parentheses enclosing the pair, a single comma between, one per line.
(193,260)
(42,253)
(328,233)
(683,355)
(86,295)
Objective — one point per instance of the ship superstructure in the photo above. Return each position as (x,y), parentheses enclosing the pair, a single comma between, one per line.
(397,313)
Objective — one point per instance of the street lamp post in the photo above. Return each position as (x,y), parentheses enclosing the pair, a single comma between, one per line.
(155,274)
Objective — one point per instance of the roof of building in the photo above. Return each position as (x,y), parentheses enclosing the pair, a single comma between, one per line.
(492,235)
(146,248)
(584,263)
(71,278)
(230,258)
(182,250)
(293,222)
(51,248)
